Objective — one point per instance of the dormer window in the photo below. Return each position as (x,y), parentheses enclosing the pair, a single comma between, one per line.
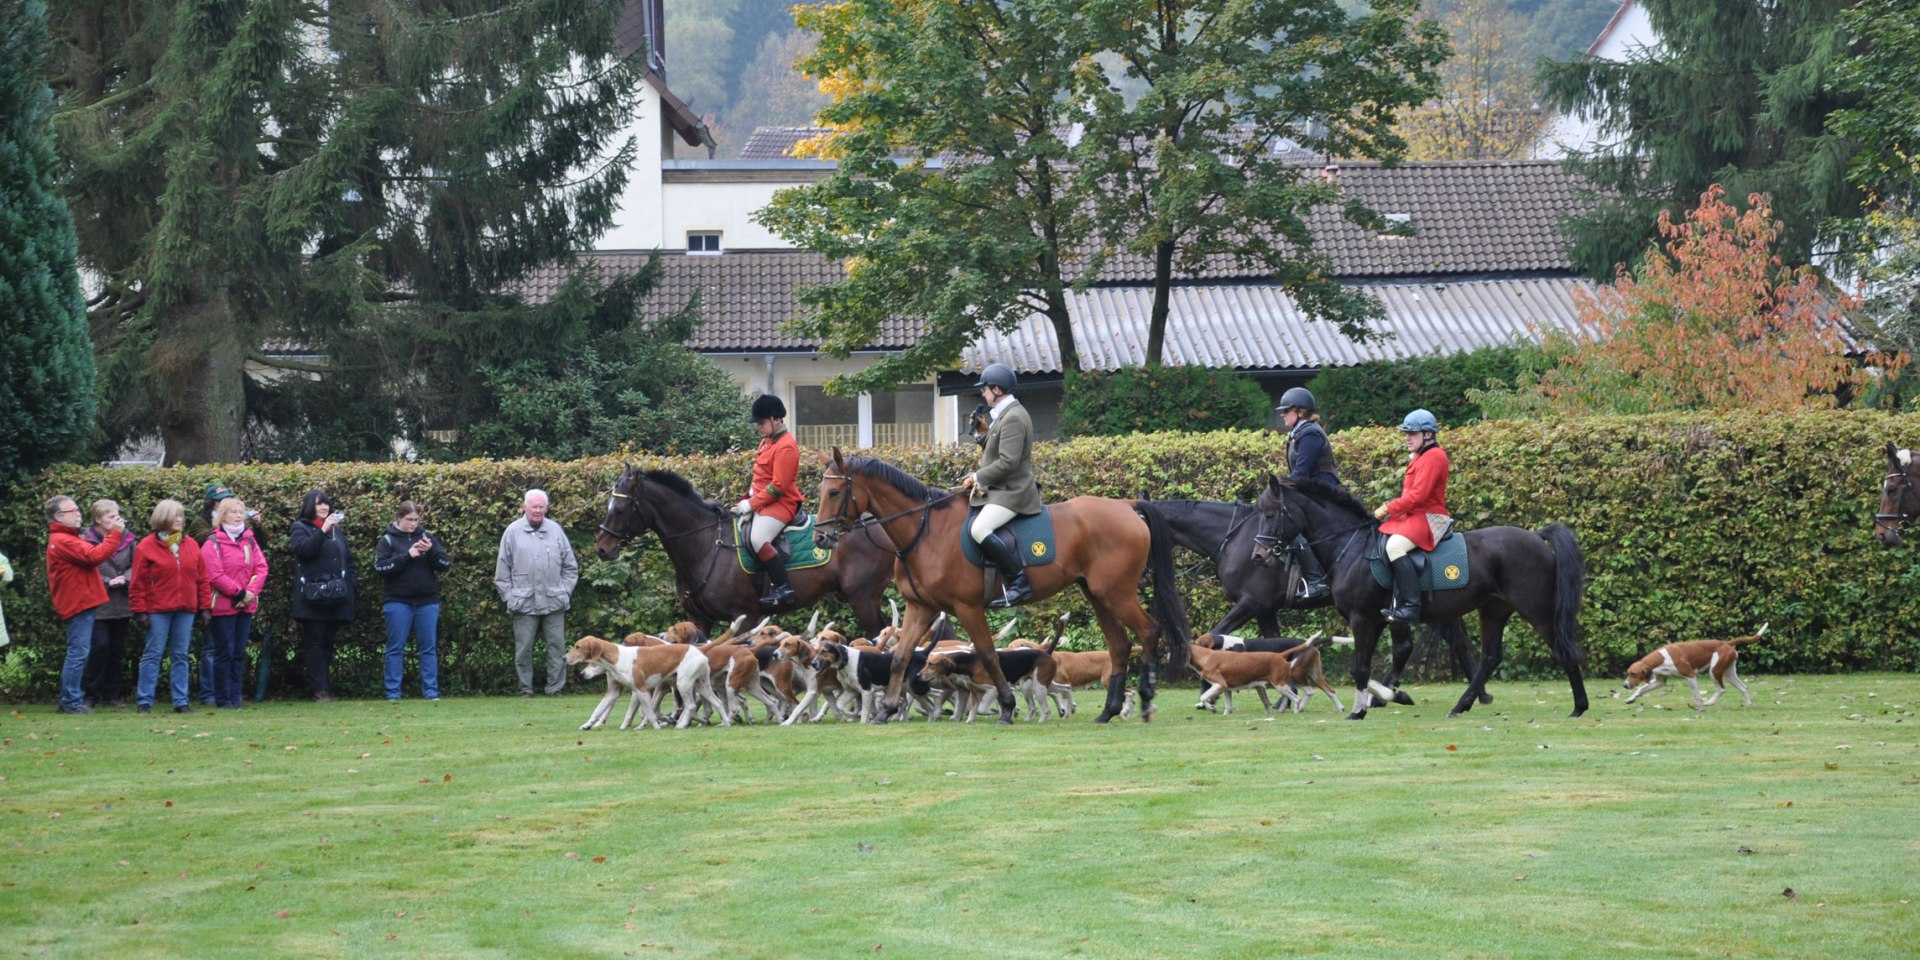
(703,241)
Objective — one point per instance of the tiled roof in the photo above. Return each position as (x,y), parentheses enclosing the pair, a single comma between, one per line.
(1257,326)
(776,143)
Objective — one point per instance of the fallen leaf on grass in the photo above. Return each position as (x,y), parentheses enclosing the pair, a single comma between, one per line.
(599,859)
(282,915)
(572,856)
(447,779)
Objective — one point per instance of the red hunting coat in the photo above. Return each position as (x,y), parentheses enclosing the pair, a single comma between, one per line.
(1422,491)
(776,478)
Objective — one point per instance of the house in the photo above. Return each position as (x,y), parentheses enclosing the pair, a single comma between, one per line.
(1628,35)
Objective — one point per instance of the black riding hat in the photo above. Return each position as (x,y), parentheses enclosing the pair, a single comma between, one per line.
(767,406)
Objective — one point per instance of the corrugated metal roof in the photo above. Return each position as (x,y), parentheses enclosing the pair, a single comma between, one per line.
(1257,326)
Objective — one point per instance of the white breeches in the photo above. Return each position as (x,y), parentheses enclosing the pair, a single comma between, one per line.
(764,529)
(992,517)
(1399,546)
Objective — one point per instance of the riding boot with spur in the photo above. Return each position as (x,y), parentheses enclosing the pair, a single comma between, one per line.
(1406,593)
(1014,588)
(782,593)
(1313,577)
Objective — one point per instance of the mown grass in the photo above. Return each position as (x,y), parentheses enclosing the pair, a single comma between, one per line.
(495,828)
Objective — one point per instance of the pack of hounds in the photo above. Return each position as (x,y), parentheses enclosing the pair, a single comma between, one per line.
(805,676)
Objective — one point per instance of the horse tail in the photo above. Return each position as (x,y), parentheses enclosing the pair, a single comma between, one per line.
(1167,608)
(1569,584)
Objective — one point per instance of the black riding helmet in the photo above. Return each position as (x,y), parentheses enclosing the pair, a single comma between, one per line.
(767,406)
(996,375)
(1296,397)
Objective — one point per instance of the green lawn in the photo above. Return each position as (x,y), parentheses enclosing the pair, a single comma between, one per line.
(494,827)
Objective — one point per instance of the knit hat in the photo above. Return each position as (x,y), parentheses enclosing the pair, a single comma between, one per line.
(217,493)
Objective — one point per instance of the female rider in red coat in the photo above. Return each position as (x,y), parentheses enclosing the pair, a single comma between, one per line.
(774,498)
(1415,517)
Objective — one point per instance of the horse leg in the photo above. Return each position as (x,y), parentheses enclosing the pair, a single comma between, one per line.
(913,632)
(1245,609)
(974,621)
(1389,685)
(1463,653)
(1493,628)
(1366,636)
(1119,651)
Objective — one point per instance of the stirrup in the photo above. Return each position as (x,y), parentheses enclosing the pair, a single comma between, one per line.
(1404,614)
(1313,589)
(781,594)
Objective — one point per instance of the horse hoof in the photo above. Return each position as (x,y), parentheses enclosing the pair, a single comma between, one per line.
(1357,715)
(1575,713)
(1452,714)
(1103,718)
(1146,713)
(1400,697)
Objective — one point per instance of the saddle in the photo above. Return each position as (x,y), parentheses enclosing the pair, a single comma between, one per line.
(1031,537)
(1443,568)
(795,543)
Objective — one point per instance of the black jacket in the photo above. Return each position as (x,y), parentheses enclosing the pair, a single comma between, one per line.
(320,556)
(410,579)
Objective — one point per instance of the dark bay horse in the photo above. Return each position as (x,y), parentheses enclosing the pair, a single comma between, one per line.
(698,537)
(1899,497)
(1539,575)
(1102,546)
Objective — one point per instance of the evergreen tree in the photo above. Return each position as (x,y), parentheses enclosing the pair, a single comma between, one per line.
(46,364)
(357,172)
(1737,93)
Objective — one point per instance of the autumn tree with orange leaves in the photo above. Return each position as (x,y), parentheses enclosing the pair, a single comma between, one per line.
(1712,320)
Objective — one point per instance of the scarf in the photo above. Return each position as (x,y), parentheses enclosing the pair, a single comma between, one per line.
(172,540)
(235,530)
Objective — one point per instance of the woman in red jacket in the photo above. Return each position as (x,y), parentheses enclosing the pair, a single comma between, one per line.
(774,498)
(1418,517)
(237,568)
(168,589)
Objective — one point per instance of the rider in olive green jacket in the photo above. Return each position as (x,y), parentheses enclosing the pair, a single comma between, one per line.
(1003,487)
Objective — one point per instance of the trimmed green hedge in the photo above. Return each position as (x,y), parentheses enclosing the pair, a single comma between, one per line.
(1692,527)
(1380,392)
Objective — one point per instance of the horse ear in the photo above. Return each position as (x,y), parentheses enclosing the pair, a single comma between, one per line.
(838,461)
(1273,483)
(1893,457)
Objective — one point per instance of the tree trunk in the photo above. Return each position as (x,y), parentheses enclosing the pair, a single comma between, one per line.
(1063,332)
(199,371)
(1162,293)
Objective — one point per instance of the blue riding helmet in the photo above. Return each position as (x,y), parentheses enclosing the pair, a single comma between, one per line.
(1420,421)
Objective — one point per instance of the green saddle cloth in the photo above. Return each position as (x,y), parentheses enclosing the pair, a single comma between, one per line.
(1445,569)
(1032,534)
(802,554)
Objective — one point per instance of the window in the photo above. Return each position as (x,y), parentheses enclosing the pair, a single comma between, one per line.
(703,242)
(890,417)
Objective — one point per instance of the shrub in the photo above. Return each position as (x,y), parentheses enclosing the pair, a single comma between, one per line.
(1157,399)
(1380,392)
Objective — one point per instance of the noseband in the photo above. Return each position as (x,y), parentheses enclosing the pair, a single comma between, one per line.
(1899,521)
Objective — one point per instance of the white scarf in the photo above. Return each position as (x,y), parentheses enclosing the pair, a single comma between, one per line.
(235,530)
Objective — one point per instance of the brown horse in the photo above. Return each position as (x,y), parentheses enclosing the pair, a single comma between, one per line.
(697,535)
(1104,546)
(1899,497)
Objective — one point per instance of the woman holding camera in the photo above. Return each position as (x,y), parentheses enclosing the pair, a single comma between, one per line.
(237,568)
(411,561)
(322,586)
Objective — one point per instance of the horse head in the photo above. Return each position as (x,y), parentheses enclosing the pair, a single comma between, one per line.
(837,498)
(1279,520)
(626,516)
(978,422)
(1899,497)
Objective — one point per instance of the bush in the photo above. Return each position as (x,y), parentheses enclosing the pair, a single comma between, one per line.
(1379,393)
(1158,399)
(1692,527)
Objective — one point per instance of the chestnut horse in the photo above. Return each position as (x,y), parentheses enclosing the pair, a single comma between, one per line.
(1537,574)
(697,535)
(1899,497)
(1103,546)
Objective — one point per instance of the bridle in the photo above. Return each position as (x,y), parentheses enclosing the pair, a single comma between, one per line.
(1899,522)
(1272,542)
(689,594)
(851,509)
(625,538)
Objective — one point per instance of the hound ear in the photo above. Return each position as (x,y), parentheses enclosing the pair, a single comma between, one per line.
(895,604)
(1007,630)
(813,623)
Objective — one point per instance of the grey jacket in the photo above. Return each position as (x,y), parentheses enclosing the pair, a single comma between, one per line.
(1005,476)
(536,571)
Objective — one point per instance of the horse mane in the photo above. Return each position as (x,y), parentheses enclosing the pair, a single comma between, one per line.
(881,470)
(1330,495)
(678,485)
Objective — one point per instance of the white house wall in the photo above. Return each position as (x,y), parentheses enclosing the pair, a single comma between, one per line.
(779,374)
(1628,35)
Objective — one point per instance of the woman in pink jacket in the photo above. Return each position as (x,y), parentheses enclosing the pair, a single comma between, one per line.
(237,568)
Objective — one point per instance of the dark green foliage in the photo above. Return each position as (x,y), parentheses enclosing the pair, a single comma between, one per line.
(1739,95)
(1156,399)
(1379,393)
(46,363)
(1692,527)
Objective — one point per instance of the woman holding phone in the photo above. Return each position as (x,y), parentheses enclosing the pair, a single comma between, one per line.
(411,561)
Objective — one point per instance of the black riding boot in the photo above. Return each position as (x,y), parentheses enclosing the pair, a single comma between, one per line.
(1013,572)
(1313,577)
(1406,593)
(782,592)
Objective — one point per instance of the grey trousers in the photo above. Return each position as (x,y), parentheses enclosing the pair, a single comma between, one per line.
(553,626)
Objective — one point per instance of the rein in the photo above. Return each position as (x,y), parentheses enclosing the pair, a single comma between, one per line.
(899,553)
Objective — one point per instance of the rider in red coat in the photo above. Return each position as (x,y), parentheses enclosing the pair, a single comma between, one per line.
(774,498)
(1410,519)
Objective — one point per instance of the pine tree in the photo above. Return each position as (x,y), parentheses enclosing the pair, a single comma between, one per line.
(358,171)
(46,363)
(1737,93)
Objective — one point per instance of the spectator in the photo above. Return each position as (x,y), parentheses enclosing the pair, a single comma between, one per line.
(73,574)
(535,574)
(105,675)
(167,590)
(200,530)
(237,569)
(6,576)
(411,561)
(320,556)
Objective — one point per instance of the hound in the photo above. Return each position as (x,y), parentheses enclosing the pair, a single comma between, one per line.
(1686,660)
(645,671)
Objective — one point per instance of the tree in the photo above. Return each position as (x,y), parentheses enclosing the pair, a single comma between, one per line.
(1885,77)
(1711,322)
(773,93)
(46,367)
(1737,93)
(1485,108)
(359,170)
(998,209)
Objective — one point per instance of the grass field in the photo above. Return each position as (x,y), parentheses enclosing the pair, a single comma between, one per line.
(495,828)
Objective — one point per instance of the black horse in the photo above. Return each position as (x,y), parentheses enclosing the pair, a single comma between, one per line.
(1226,534)
(698,537)
(1539,575)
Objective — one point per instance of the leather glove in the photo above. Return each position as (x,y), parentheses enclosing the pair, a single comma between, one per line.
(743,508)
(1380,513)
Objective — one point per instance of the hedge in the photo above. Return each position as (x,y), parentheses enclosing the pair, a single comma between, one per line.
(1692,527)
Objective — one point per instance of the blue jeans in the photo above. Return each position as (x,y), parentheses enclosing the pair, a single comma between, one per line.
(170,634)
(424,623)
(230,657)
(79,644)
(206,668)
